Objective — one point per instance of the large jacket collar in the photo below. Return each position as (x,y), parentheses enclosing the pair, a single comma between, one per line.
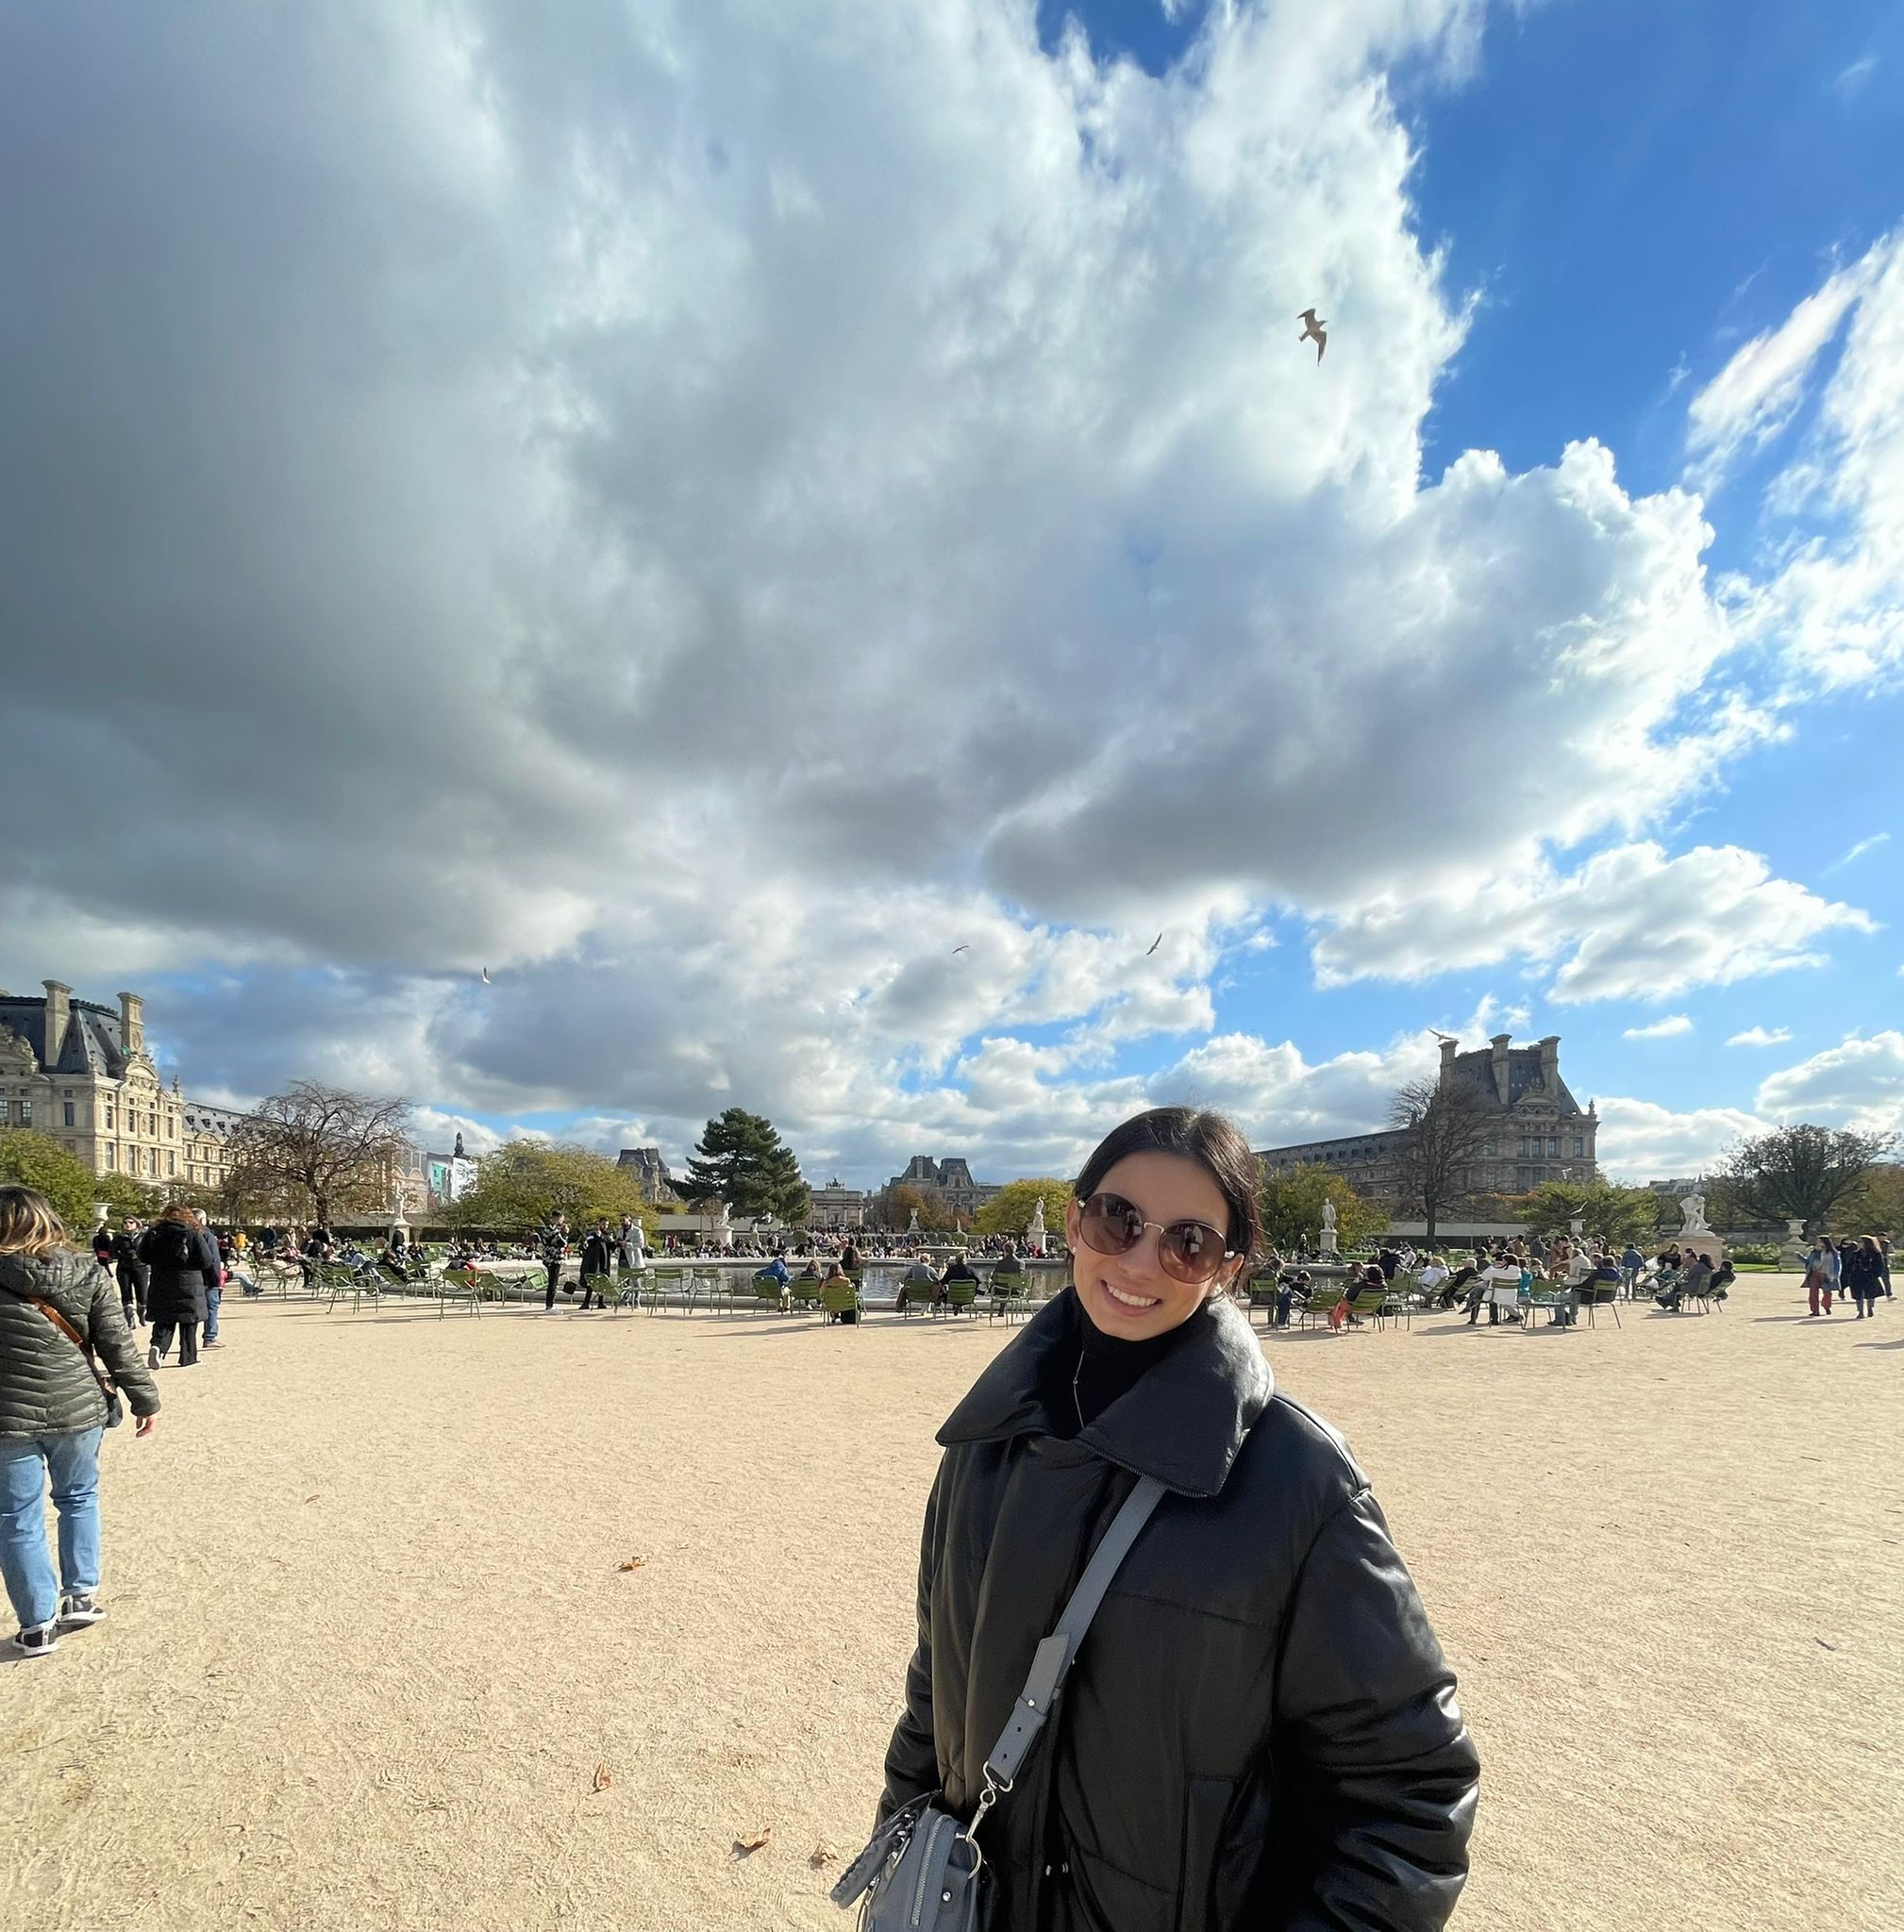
(1183,1422)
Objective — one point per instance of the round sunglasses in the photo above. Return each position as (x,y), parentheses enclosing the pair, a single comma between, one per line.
(1189,1251)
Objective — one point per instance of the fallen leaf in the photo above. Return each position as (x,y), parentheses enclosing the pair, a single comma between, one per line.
(633,1563)
(602,1779)
(743,1846)
(823,1854)
(1827,1647)
(313,1498)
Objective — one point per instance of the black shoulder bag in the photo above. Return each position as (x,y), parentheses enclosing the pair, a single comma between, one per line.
(923,1872)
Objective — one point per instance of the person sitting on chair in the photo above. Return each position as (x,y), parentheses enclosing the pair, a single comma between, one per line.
(957,1269)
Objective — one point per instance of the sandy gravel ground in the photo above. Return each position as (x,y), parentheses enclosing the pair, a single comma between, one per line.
(369,1642)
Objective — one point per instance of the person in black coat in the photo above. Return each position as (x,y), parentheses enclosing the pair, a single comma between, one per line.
(1260,1731)
(597,1257)
(134,1280)
(182,1262)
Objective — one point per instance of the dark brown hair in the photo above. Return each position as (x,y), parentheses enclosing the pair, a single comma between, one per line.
(1211,1140)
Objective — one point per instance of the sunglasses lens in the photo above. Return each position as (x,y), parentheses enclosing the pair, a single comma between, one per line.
(1111,1224)
(1190,1251)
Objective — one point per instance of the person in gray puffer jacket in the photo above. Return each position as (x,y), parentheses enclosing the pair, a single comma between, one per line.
(53,1413)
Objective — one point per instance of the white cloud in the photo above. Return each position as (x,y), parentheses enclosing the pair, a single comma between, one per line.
(1858,1084)
(1641,1140)
(1831,600)
(1630,923)
(1754,396)
(1761,1036)
(1850,79)
(1859,850)
(1668,1029)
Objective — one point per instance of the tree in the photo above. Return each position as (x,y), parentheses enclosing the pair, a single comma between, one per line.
(523,1182)
(1803,1171)
(320,1148)
(1874,1205)
(745,1162)
(1607,1212)
(1009,1211)
(30,1159)
(1291,1207)
(1444,1125)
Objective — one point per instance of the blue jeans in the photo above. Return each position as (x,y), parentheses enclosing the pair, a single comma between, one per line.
(26,1463)
(211,1300)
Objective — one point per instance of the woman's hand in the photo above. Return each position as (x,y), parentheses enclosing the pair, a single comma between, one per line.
(145,1425)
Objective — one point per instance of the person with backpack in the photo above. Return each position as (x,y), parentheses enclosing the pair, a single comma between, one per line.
(58,1319)
(131,1271)
(1863,1273)
(181,1261)
(1260,1729)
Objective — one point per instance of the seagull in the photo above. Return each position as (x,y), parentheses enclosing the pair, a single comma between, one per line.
(1439,1035)
(962,949)
(1313,330)
(1154,944)
(486,976)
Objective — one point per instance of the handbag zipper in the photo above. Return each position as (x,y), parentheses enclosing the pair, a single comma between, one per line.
(925,1866)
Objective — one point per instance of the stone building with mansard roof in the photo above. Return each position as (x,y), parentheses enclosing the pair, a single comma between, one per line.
(1541,1133)
(79,1074)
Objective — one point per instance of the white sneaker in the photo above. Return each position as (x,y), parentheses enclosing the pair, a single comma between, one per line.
(153,1357)
(74,1611)
(42,1640)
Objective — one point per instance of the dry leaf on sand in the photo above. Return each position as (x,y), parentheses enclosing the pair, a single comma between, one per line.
(633,1563)
(752,1843)
(823,1854)
(602,1779)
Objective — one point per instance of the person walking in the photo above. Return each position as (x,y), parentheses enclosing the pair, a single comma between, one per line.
(1820,1278)
(181,1263)
(553,1244)
(215,1286)
(1261,1729)
(1863,1274)
(59,1316)
(134,1277)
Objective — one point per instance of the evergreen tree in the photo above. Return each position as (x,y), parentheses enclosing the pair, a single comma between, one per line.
(742,1162)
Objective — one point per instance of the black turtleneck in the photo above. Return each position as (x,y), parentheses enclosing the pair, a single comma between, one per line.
(1105,1365)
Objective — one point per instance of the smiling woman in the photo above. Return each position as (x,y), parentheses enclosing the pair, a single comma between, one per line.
(1262,1729)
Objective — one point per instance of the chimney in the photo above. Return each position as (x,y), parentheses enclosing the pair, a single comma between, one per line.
(1550,1062)
(1448,1048)
(1500,1043)
(131,1025)
(59,1011)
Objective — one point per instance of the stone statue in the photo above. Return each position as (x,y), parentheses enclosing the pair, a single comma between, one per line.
(1694,1208)
(458,1154)
(912,1226)
(1329,1213)
(1034,1232)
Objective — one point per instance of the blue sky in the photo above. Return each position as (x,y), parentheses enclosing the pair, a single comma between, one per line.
(706,518)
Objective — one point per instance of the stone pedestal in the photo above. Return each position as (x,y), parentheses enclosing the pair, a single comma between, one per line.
(1709,1246)
(1796,1246)
(1326,1241)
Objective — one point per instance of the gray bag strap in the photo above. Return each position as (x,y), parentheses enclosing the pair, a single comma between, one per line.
(1059,1652)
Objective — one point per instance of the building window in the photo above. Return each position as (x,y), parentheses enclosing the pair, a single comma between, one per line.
(111,1117)
(111,1160)
(170,1164)
(1490,1150)
(66,1113)
(1580,1146)
(26,1113)
(172,1126)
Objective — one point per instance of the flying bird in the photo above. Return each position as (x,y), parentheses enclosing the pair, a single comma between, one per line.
(1154,944)
(1315,331)
(486,976)
(962,949)
(1442,1036)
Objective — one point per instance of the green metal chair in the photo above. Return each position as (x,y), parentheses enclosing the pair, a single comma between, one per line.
(769,1291)
(962,1297)
(340,1281)
(915,1294)
(838,1298)
(802,1293)
(1324,1299)
(1600,1294)
(461,1285)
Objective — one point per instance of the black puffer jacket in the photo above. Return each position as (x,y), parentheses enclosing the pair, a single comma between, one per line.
(1260,1731)
(180,1272)
(45,1387)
